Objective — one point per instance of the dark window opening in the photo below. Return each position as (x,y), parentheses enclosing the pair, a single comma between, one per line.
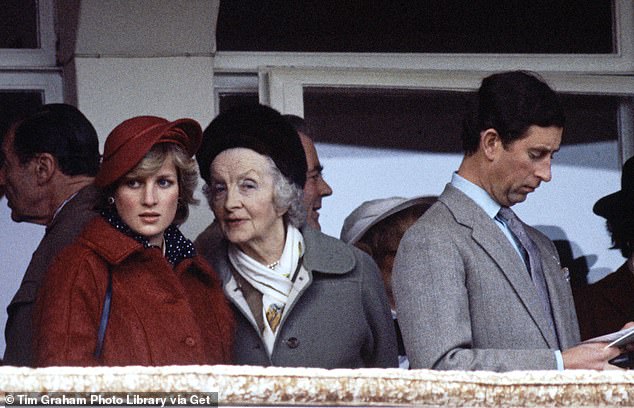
(18,24)
(227,100)
(421,26)
(431,121)
(15,105)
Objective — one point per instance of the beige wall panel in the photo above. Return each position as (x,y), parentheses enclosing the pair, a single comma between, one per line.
(147,27)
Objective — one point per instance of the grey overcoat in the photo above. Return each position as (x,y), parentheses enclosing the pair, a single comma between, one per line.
(465,299)
(337,315)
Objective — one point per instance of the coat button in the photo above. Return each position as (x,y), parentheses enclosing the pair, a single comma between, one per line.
(292,342)
(190,341)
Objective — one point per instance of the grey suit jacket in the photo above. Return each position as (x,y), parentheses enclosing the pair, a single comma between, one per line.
(465,299)
(63,230)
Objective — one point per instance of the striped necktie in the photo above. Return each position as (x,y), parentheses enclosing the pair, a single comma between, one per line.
(532,258)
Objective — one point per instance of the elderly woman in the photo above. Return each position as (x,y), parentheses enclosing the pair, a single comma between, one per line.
(301,298)
(131,290)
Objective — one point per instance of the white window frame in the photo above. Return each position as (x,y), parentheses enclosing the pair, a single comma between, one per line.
(284,88)
(234,83)
(49,83)
(282,77)
(285,85)
(44,55)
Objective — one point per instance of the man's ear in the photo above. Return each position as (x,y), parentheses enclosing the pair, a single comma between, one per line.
(45,167)
(490,143)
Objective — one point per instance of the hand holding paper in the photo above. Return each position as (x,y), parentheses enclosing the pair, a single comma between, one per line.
(623,339)
(616,339)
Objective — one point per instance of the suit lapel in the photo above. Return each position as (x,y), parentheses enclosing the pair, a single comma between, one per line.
(493,241)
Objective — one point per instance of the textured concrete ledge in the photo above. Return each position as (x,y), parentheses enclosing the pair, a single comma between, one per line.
(242,385)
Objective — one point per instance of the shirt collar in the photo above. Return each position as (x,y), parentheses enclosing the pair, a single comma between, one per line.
(477,194)
(59,209)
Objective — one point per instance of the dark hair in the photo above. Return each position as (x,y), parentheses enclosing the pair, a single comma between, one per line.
(64,132)
(510,103)
(11,114)
(622,233)
(259,128)
(298,123)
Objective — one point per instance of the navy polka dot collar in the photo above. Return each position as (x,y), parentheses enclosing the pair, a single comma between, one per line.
(177,247)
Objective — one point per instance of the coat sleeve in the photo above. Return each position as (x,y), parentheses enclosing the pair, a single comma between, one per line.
(68,310)
(383,350)
(430,276)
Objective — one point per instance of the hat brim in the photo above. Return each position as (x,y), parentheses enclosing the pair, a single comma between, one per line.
(127,156)
(611,206)
(389,211)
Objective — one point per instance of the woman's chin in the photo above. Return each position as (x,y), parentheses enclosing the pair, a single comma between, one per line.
(235,238)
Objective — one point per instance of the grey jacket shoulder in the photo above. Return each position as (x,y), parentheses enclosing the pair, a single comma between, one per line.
(210,243)
(327,254)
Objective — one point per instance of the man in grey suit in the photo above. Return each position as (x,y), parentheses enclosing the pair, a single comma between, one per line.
(50,160)
(469,294)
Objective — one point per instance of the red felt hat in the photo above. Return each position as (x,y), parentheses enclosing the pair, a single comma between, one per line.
(131,140)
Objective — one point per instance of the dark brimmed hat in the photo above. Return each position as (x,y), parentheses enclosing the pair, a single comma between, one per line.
(259,128)
(131,140)
(619,205)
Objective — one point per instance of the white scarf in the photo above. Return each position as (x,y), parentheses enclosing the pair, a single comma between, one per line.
(274,283)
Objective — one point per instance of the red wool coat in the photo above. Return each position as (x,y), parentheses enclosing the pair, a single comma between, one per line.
(159,315)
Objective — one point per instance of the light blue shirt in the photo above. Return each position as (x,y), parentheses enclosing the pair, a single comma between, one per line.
(488,204)
(491,207)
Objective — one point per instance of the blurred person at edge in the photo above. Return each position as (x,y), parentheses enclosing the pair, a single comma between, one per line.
(50,159)
(316,186)
(297,294)
(376,227)
(3,134)
(131,290)
(607,305)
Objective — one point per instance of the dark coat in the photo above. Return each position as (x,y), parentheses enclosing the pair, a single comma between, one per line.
(337,315)
(605,306)
(159,315)
(64,229)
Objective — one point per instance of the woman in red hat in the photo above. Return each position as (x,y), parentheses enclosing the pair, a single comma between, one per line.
(131,290)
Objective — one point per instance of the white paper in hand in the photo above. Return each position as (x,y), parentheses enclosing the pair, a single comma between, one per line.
(616,339)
